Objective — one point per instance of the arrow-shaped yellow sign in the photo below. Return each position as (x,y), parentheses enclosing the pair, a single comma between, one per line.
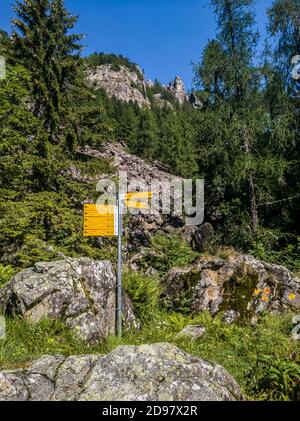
(135,200)
(138,195)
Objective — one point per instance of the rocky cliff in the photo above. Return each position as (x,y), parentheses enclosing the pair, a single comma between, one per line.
(128,85)
(177,88)
(123,84)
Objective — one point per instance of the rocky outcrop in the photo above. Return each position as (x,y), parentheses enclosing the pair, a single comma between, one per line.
(81,292)
(176,87)
(128,85)
(159,372)
(124,84)
(242,287)
(134,166)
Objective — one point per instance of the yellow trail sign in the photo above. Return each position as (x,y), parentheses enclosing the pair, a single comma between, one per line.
(100,221)
(99,210)
(136,205)
(138,195)
(135,200)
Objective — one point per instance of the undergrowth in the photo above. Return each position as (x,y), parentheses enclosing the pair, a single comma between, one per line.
(263,359)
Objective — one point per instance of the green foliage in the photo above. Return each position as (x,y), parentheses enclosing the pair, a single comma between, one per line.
(168,252)
(6,273)
(158,88)
(259,357)
(26,342)
(43,43)
(144,292)
(287,256)
(276,379)
(248,132)
(92,167)
(284,25)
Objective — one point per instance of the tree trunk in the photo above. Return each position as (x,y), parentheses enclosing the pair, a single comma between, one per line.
(252,192)
(253,205)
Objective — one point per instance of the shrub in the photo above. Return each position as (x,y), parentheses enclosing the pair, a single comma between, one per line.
(6,273)
(277,379)
(145,292)
(168,252)
(287,256)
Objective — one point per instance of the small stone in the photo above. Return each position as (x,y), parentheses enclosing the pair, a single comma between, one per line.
(192,331)
(202,237)
(230,317)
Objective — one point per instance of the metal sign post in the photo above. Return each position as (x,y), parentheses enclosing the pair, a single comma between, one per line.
(107,221)
(119,275)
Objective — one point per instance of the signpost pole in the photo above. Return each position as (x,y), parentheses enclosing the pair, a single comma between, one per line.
(103,224)
(119,274)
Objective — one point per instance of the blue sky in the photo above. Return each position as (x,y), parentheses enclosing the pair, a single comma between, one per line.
(162,36)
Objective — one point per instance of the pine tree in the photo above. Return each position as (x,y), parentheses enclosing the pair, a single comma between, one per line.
(284,98)
(146,140)
(43,43)
(284,25)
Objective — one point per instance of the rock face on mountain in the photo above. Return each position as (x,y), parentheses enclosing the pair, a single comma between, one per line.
(135,167)
(176,87)
(242,287)
(122,83)
(128,85)
(81,292)
(159,372)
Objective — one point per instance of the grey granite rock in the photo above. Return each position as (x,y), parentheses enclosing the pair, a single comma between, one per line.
(159,372)
(81,292)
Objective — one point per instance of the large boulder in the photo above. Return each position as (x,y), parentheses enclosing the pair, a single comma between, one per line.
(81,292)
(241,286)
(159,372)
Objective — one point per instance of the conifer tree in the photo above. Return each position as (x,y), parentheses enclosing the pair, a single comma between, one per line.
(284,25)
(284,96)
(44,45)
(240,124)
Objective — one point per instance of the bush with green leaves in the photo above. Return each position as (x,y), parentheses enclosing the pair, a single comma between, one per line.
(167,252)
(288,256)
(276,379)
(144,292)
(6,273)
